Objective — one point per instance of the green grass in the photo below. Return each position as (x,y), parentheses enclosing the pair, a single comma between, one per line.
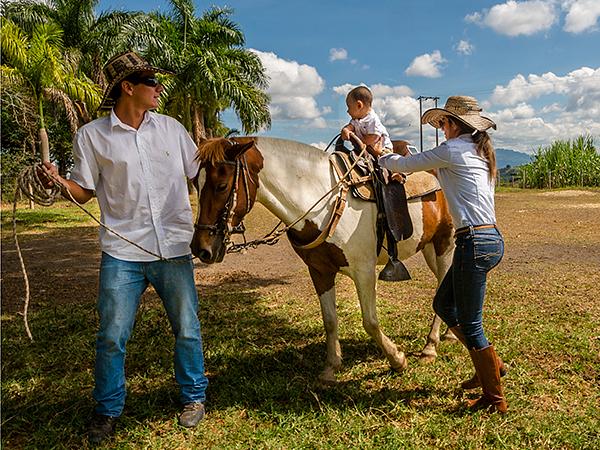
(61,214)
(264,349)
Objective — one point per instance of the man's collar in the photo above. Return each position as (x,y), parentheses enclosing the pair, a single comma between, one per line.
(115,121)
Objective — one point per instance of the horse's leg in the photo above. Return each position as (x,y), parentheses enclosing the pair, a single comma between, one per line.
(365,286)
(330,321)
(439,266)
(429,352)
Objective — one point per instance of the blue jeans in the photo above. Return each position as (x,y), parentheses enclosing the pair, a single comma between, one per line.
(121,285)
(459,298)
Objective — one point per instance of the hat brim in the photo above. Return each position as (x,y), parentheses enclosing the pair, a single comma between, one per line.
(476,121)
(108,102)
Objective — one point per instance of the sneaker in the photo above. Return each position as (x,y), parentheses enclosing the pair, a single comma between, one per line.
(101,428)
(192,413)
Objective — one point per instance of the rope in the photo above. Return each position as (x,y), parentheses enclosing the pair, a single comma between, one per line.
(276,234)
(32,187)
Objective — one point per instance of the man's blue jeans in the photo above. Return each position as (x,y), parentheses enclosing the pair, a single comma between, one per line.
(459,298)
(121,285)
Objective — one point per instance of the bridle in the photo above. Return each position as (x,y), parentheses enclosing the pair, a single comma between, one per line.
(223,225)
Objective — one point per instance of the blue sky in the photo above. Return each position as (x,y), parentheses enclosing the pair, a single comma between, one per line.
(534,65)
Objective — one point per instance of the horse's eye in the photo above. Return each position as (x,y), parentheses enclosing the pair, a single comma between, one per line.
(221,187)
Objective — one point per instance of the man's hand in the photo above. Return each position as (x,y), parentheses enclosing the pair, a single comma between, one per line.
(45,178)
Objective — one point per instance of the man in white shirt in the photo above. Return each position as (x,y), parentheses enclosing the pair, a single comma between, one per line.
(137,161)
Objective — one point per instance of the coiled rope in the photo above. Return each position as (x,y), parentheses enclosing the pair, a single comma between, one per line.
(31,186)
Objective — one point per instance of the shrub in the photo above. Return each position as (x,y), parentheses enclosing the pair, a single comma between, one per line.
(563,164)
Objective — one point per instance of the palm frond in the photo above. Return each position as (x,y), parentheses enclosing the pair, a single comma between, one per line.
(14,43)
(57,96)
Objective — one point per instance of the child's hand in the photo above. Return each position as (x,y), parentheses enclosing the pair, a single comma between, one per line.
(346,133)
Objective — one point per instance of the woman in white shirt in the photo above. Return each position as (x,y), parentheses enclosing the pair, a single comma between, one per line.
(466,169)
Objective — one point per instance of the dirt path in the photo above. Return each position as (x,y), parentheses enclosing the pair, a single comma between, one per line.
(561,226)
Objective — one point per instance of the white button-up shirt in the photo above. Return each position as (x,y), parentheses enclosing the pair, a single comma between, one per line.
(371,124)
(140,181)
(463,175)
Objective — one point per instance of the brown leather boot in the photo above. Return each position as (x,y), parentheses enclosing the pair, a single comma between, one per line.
(488,372)
(473,382)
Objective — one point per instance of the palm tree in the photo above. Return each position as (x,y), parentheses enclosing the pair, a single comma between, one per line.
(36,65)
(88,38)
(213,70)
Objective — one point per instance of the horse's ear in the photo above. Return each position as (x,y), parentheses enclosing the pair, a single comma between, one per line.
(236,150)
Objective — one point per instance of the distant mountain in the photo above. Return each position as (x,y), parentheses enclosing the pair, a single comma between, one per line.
(506,157)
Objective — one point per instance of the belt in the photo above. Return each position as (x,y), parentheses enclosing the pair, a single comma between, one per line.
(464,230)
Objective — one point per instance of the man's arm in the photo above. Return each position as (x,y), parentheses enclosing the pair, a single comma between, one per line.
(81,195)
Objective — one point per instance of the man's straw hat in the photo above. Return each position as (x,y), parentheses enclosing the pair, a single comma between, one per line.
(120,67)
(462,108)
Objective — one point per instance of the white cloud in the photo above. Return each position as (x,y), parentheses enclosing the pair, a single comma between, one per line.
(573,109)
(581,86)
(322,145)
(521,111)
(515,18)
(528,134)
(427,65)
(378,90)
(336,54)
(293,88)
(582,15)
(396,107)
(464,47)
(345,88)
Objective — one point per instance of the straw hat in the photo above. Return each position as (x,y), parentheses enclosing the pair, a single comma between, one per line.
(120,67)
(462,108)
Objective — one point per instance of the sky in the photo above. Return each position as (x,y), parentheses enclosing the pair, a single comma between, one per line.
(533,65)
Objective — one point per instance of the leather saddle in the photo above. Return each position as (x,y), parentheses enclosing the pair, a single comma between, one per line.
(372,183)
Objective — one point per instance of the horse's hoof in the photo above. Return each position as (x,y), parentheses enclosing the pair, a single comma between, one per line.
(449,337)
(326,381)
(327,377)
(401,365)
(427,358)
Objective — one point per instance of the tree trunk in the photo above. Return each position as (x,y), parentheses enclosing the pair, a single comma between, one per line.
(198,130)
(44,145)
(43,134)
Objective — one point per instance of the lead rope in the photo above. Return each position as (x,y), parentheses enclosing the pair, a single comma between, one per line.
(29,179)
(273,236)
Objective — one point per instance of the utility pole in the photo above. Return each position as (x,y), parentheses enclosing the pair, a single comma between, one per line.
(421,98)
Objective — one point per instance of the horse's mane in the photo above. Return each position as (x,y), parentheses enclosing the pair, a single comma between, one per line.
(212,150)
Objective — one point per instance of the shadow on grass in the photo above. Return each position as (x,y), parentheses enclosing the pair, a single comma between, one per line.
(257,359)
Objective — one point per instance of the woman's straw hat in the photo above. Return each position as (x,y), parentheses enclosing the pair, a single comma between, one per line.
(462,108)
(120,67)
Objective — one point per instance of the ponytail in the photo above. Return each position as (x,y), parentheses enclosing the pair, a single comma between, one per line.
(485,149)
(483,145)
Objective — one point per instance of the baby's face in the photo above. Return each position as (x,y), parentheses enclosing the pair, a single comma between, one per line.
(357,109)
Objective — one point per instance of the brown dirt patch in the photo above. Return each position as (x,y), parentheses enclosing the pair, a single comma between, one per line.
(541,230)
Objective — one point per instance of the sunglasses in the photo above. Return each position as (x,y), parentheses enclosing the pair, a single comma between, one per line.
(147,81)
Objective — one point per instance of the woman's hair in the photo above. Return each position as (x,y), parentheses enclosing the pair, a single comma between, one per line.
(361,93)
(483,144)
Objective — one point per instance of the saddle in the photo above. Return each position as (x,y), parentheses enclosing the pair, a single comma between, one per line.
(416,184)
(372,183)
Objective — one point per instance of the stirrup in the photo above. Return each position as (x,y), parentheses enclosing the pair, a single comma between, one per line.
(394,270)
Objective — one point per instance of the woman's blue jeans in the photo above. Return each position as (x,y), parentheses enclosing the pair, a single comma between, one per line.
(459,298)
(121,285)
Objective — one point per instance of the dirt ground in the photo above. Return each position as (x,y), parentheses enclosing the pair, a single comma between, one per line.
(561,226)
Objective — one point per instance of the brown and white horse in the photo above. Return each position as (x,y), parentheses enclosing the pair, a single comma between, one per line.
(288,178)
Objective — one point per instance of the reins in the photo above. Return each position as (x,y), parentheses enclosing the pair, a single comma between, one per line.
(273,236)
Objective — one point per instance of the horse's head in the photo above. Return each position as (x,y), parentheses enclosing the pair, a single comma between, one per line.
(230,180)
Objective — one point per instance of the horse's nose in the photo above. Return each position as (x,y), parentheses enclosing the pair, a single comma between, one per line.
(205,256)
